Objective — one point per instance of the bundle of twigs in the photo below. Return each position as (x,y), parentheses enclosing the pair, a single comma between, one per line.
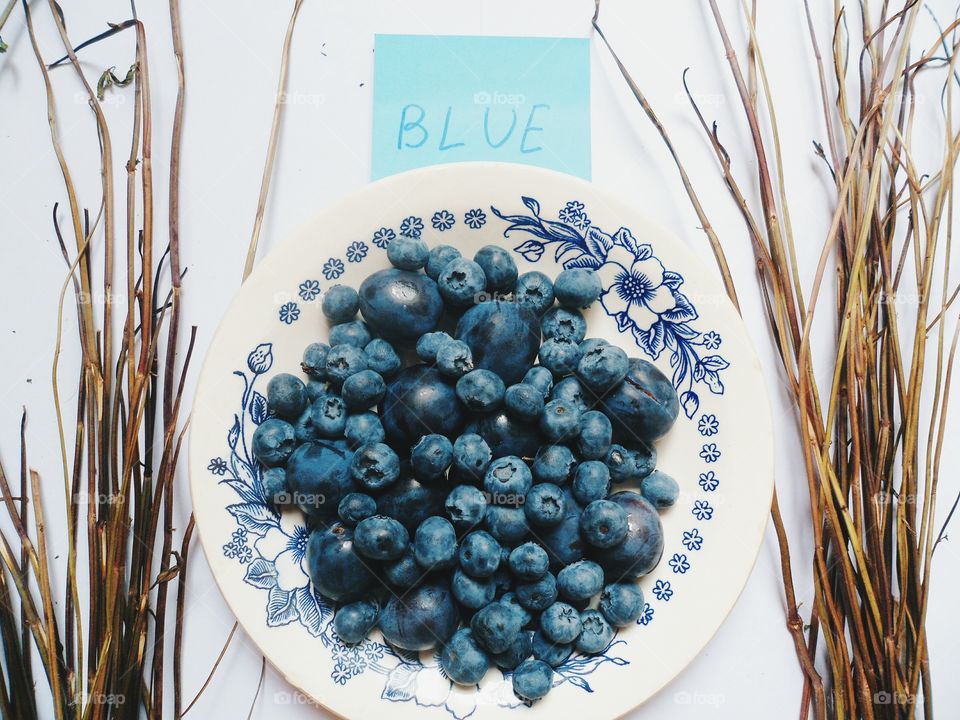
(103,651)
(872,424)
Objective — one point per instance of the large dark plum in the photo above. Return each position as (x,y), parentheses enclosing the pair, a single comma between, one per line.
(411,503)
(400,305)
(507,436)
(643,406)
(641,549)
(318,475)
(336,570)
(503,336)
(562,542)
(419,401)
(421,619)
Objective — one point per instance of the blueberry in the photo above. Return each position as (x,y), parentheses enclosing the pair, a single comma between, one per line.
(438,257)
(273,442)
(596,434)
(479,554)
(429,343)
(595,634)
(562,542)
(407,253)
(507,480)
(420,619)
(539,594)
(454,359)
(419,401)
(430,457)
(405,571)
(353,621)
(532,680)
(472,592)
(630,465)
(603,523)
(621,603)
(520,649)
(560,421)
(507,436)
(463,659)
(375,466)
(364,428)
(591,482)
(602,368)
(644,406)
(572,391)
(314,362)
(523,401)
(344,361)
(382,358)
(540,378)
(546,505)
(471,456)
(589,344)
(480,390)
(577,287)
(495,627)
(461,281)
(560,356)
(552,653)
(355,507)
(325,418)
(410,502)
(560,623)
(507,524)
(660,490)
(318,474)
(640,551)
(380,538)
(529,562)
(435,544)
(400,305)
(286,396)
(561,323)
(554,464)
(340,304)
(580,581)
(318,388)
(354,333)
(503,337)
(275,488)
(511,601)
(363,390)
(498,266)
(337,572)
(534,291)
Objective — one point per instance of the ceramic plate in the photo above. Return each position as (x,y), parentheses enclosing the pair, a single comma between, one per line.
(659,303)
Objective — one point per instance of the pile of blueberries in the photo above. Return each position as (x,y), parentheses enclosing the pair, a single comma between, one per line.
(473,511)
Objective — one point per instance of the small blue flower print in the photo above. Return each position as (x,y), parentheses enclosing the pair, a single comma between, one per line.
(357,251)
(333,268)
(340,674)
(692,540)
(708,425)
(218,466)
(475,219)
(382,237)
(709,481)
(702,510)
(261,358)
(309,289)
(710,453)
(679,563)
(573,214)
(289,312)
(646,616)
(442,220)
(662,590)
(712,340)
(411,226)
(373,650)
(237,548)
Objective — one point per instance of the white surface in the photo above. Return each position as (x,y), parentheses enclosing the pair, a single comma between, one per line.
(232,54)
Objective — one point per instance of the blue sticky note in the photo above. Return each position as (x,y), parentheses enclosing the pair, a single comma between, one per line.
(442,99)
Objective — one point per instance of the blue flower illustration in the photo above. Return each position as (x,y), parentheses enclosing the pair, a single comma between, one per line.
(709,481)
(712,340)
(382,237)
(218,466)
(692,540)
(662,590)
(708,425)
(475,219)
(646,616)
(237,548)
(309,289)
(573,214)
(261,358)
(373,650)
(289,312)
(679,563)
(340,674)
(333,268)
(710,453)
(411,226)
(357,251)
(702,510)
(442,220)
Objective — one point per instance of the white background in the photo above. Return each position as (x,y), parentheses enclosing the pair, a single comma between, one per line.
(232,56)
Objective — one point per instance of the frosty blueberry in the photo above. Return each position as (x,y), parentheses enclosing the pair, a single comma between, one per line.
(498,266)
(407,253)
(340,304)
(577,288)
(286,396)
